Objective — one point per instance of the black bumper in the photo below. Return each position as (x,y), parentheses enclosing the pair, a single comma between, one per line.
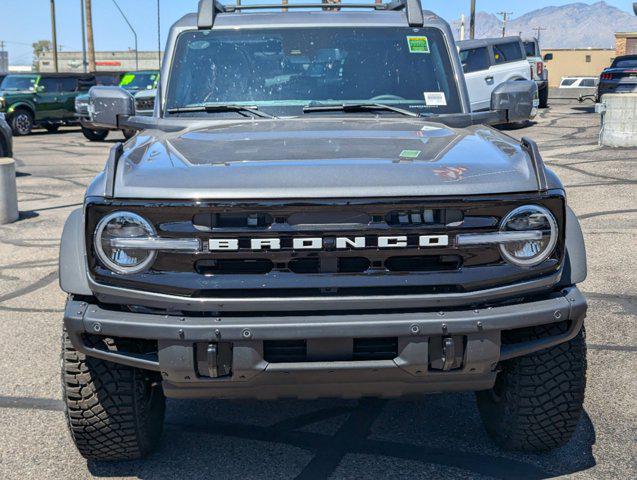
(179,337)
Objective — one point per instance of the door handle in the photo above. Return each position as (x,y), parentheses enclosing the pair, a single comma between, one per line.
(489,79)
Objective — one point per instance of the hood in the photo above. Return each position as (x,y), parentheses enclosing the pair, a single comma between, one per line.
(321,158)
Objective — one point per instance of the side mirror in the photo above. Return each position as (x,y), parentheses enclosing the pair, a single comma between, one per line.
(106,104)
(517,100)
(548,56)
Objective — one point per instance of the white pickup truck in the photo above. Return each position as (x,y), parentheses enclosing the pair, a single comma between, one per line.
(488,62)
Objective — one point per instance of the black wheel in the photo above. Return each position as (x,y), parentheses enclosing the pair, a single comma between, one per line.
(21,122)
(129,133)
(544,97)
(94,135)
(537,399)
(52,128)
(114,412)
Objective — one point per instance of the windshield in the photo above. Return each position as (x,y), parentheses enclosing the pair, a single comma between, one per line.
(19,82)
(530,49)
(282,70)
(139,81)
(625,63)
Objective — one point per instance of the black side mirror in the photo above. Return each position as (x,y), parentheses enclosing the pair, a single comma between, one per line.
(517,100)
(108,104)
(548,56)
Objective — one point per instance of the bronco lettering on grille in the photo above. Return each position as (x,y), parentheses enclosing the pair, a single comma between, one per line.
(318,243)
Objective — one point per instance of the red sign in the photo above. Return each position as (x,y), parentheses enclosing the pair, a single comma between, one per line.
(108,64)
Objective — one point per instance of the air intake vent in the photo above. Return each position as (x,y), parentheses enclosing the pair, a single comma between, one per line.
(284,351)
(385,348)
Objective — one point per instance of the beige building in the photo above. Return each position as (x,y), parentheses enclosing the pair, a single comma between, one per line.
(104,61)
(577,62)
(626,43)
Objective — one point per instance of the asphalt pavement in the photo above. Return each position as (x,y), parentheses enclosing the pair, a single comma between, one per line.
(438,436)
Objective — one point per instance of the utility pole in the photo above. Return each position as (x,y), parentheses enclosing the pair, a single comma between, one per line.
(539,32)
(462,27)
(505,17)
(158,37)
(89,37)
(84,61)
(54,37)
(134,34)
(472,20)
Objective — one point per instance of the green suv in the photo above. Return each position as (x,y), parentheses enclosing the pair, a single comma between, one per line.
(44,99)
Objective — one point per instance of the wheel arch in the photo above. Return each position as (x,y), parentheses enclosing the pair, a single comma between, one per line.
(22,106)
(72,262)
(575,266)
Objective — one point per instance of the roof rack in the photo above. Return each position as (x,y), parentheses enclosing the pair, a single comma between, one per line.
(208,9)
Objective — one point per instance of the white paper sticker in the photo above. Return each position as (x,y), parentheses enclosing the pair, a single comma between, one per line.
(435,99)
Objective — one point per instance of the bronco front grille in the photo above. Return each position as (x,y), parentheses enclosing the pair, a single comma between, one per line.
(329,269)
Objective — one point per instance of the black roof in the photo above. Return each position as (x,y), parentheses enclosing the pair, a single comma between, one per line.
(485,42)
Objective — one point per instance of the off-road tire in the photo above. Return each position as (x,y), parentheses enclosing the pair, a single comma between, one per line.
(21,122)
(114,412)
(544,97)
(537,400)
(94,135)
(52,128)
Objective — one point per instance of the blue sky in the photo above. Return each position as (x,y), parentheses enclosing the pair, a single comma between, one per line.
(24,21)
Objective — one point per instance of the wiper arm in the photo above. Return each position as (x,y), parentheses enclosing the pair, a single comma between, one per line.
(358,107)
(214,107)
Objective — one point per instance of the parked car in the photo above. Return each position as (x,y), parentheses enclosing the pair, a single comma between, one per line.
(134,82)
(620,77)
(6,138)
(298,219)
(579,82)
(489,62)
(41,100)
(539,71)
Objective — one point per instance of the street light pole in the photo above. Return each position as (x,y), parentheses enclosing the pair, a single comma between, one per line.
(134,35)
(472,20)
(54,37)
(84,62)
(89,36)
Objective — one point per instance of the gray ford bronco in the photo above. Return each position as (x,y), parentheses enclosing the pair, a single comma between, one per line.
(314,211)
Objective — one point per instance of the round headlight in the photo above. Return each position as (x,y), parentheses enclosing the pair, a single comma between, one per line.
(121,226)
(529,219)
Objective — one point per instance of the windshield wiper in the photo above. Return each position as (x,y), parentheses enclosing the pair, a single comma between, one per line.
(358,107)
(215,107)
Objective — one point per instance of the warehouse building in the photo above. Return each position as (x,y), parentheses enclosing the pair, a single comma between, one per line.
(577,62)
(104,61)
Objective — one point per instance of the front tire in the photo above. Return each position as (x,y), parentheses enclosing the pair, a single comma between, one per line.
(128,134)
(114,412)
(94,135)
(21,122)
(537,400)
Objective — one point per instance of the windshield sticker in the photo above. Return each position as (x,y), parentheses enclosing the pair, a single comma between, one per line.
(435,99)
(126,79)
(410,154)
(418,44)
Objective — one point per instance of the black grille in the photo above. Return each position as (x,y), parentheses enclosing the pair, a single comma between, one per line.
(284,351)
(363,349)
(327,270)
(385,348)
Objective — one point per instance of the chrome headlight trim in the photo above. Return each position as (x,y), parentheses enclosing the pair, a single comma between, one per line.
(552,238)
(103,257)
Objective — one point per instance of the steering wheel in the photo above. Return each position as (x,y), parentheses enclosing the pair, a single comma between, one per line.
(387,97)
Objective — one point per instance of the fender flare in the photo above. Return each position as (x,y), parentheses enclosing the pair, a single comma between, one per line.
(575,268)
(72,262)
(21,106)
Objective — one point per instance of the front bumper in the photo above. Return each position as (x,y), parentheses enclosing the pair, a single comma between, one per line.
(410,372)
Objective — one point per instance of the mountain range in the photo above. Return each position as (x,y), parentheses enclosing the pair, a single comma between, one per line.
(576,25)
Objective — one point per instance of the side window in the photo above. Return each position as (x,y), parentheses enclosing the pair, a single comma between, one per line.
(475,59)
(68,84)
(508,52)
(48,85)
(587,82)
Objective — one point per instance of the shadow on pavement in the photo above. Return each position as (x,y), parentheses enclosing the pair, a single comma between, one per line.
(314,440)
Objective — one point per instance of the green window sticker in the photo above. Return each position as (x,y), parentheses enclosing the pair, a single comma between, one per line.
(126,79)
(410,154)
(418,44)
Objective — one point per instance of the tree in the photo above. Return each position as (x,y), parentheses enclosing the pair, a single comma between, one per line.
(39,49)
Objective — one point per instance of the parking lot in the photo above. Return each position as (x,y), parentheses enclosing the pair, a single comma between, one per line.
(437,436)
